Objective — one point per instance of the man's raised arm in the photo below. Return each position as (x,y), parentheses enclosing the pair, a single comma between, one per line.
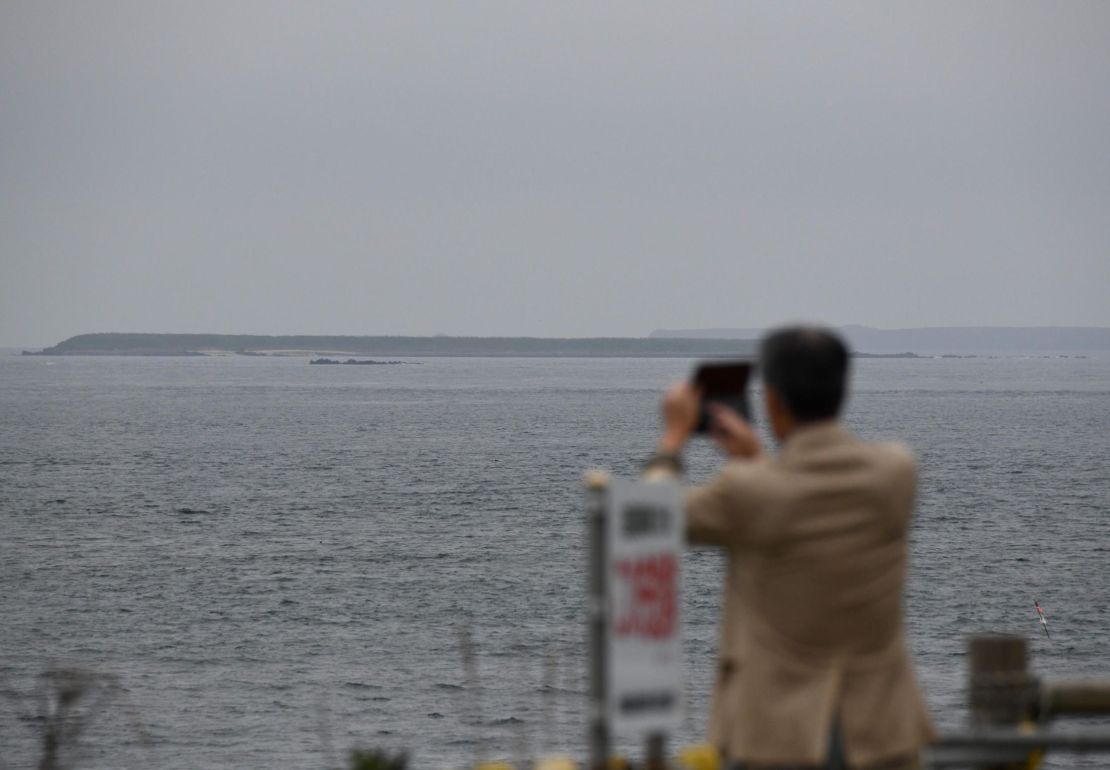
(713,513)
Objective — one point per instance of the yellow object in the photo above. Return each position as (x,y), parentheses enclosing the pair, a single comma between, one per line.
(699,757)
(617,762)
(556,762)
(493,766)
(1033,760)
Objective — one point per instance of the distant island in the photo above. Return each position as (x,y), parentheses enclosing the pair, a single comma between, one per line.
(940,339)
(392,347)
(866,342)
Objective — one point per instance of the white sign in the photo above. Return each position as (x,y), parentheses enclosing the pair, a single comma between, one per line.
(644,537)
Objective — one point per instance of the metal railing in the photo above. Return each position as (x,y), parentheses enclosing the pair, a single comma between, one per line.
(1011,708)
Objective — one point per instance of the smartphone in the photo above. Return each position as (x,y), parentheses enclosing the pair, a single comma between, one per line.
(723,382)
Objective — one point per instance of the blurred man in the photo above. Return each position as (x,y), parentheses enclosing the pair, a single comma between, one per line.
(813,668)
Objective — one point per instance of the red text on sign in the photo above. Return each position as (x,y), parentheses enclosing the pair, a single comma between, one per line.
(652,607)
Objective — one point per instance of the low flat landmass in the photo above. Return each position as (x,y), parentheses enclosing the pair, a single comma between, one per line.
(941,339)
(685,343)
(312,345)
(663,343)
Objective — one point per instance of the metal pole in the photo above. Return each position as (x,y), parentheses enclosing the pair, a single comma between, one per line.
(473,692)
(597,486)
(1007,748)
(1079,698)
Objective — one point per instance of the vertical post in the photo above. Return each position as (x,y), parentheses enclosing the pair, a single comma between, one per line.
(597,486)
(1001,690)
(1000,687)
(473,692)
(656,751)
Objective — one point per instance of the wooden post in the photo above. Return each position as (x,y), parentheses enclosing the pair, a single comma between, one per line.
(1001,689)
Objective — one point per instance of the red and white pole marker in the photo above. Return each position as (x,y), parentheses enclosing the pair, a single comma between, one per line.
(1040,615)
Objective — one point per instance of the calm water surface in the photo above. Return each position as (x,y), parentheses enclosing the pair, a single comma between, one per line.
(276,559)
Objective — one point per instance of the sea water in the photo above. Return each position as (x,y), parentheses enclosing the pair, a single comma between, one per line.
(275,562)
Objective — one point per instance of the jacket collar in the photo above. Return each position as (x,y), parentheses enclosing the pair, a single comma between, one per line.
(814,437)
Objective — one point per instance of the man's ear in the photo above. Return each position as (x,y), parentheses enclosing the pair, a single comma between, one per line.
(777,413)
(772,400)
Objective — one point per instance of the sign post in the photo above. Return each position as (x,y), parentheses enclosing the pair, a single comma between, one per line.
(597,486)
(636,534)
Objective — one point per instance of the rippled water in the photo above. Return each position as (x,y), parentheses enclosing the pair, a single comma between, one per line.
(276,559)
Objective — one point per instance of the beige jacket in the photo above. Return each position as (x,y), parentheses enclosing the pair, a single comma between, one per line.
(812,632)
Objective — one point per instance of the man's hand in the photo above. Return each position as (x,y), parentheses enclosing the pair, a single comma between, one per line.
(680,417)
(732,433)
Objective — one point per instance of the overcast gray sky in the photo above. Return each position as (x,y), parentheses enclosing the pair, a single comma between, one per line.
(550,169)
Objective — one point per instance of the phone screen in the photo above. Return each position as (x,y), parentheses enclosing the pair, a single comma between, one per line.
(723,382)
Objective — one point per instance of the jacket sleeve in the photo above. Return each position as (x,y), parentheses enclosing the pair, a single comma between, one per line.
(720,512)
